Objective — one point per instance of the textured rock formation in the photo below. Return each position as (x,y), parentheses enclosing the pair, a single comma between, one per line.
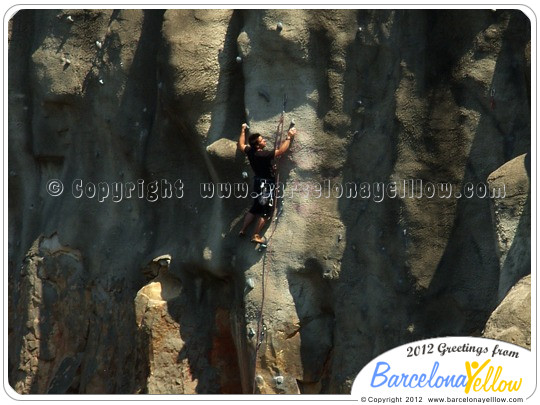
(66,321)
(513,220)
(155,99)
(52,326)
(187,353)
(511,320)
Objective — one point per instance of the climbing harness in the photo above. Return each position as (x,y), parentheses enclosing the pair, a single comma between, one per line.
(265,196)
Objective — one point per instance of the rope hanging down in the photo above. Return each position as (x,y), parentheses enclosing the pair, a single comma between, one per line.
(261,327)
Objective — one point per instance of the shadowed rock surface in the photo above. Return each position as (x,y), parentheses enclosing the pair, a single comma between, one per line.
(513,220)
(149,98)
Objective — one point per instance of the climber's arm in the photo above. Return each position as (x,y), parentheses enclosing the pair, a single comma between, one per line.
(285,145)
(242,139)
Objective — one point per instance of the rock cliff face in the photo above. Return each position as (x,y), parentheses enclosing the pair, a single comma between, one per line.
(511,321)
(150,103)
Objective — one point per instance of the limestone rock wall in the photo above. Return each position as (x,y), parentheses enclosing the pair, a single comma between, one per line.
(137,96)
(511,320)
(513,220)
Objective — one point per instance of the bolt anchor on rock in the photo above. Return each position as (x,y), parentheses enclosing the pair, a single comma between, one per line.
(278,379)
(250,284)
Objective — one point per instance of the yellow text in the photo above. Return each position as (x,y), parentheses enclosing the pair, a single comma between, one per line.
(485,382)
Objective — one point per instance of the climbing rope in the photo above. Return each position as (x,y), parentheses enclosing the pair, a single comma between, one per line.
(261,327)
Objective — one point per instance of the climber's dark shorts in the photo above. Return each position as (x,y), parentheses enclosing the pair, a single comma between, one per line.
(264,191)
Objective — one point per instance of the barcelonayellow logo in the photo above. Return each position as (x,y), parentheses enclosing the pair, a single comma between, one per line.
(453,366)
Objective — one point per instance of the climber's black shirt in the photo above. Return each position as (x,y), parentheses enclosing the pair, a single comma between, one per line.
(261,162)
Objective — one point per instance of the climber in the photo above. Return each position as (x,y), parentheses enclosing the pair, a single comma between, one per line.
(261,162)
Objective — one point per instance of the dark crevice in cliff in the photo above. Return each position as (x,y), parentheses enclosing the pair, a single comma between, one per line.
(20,89)
(441,30)
(203,312)
(512,62)
(481,264)
(313,297)
(319,53)
(142,84)
(230,88)
(371,258)
(21,224)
